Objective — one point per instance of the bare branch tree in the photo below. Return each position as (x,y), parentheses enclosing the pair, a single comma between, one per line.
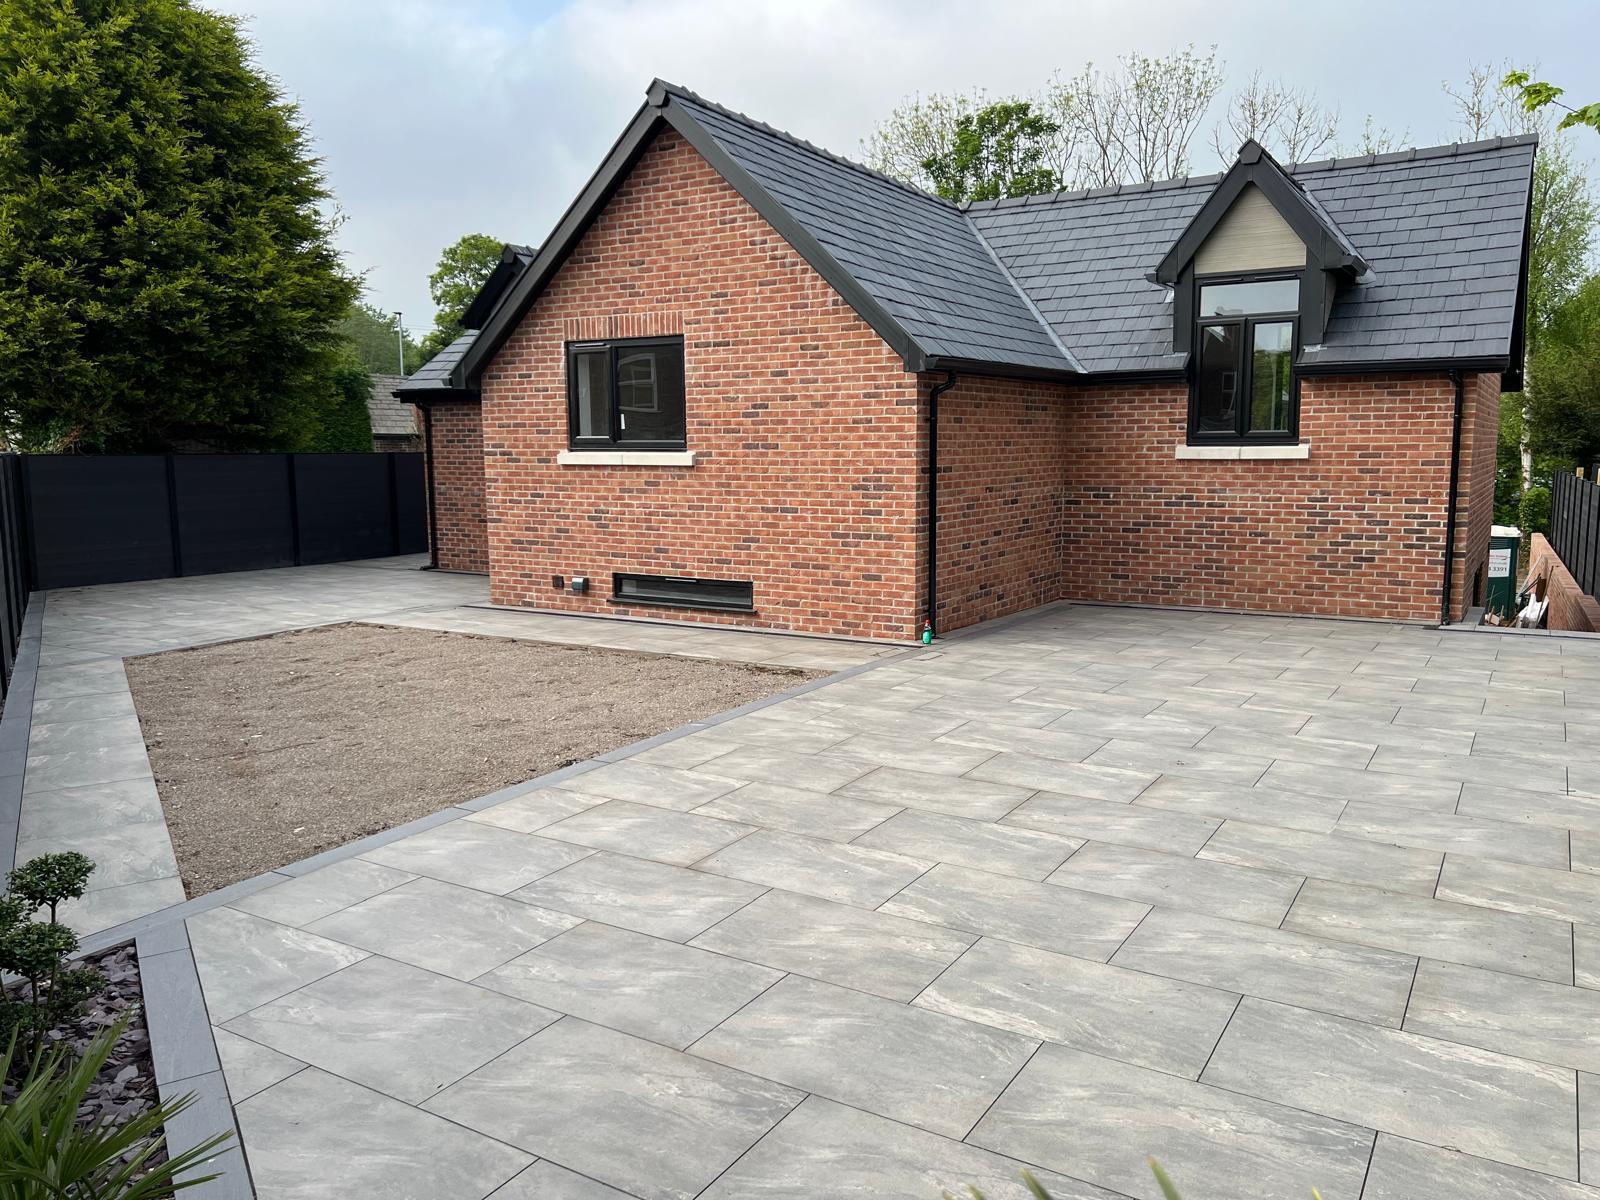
(1292,124)
(1485,109)
(921,128)
(1376,139)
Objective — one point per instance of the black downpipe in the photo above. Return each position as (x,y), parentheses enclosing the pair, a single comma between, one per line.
(427,463)
(1450,514)
(934,393)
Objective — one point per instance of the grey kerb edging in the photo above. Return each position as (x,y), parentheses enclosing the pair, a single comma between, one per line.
(182,1045)
(16,726)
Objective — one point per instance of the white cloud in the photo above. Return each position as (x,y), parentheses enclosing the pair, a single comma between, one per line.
(439,118)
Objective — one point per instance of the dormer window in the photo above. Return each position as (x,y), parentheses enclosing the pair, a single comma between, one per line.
(1244,346)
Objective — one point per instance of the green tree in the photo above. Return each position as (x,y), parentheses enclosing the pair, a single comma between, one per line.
(346,421)
(1536,95)
(370,333)
(463,267)
(166,270)
(997,151)
(1565,383)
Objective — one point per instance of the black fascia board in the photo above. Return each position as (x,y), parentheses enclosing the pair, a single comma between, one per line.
(814,252)
(1511,380)
(1404,366)
(999,370)
(580,214)
(1323,248)
(483,304)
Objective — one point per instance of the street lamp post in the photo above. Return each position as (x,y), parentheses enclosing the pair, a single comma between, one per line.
(400,342)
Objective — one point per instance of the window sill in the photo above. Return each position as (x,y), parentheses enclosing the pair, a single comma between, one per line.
(626,458)
(1246,452)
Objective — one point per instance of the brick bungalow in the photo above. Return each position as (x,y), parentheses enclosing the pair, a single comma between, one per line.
(716,390)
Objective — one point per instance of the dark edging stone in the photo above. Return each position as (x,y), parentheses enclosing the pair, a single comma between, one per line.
(16,726)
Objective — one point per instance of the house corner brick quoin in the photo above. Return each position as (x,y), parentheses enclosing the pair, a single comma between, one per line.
(1070,466)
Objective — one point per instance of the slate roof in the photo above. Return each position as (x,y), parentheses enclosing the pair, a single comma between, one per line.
(433,376)
(1441,230)
(1059,285)
(391,417)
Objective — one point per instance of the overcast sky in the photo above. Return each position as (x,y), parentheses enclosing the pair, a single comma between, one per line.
(443,117)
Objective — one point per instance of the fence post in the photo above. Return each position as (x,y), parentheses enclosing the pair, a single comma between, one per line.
(294,506)
(172,517)
(394,501)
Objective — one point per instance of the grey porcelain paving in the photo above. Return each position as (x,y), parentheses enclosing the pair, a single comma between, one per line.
(645,783)
(649,987)
(989,737)
(533,810)
(1406,1170)
(923,1068)
(311,897)
(912,754)
(245,961)
(249,1066)
(647,897)
(1586,956)
(297,1130)
(1274,964)
(1101,1119)
(1074,779)
(1480,937)
(1547,1022)
(1589,1127)
(1343,783)
(1502,770)
(1122,1014)
(477,856)
(838,943)
(643,830)
(1536,808)
(956,797)
(818,772)
(422,923)
(547,1181)
(1124,824)
(405,1032)
(826,1149)
(1532,845)
(1019,910)
(1207,763)
(1224,801)
(1559,894)
(1174,879)
(1436,1091)
(983,845)
(1344,860)
(849,874)
(815,814)
(654,1122)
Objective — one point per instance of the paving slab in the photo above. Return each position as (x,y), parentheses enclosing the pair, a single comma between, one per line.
(1122,1014)
(982,845)
(796,810)
(848,874)
(650,987)
(1319,856)
(443,927)
(1273,964)
(837,943)
(1552,1023)
(533,810)
(249,1066)
(676,838)
(653,1122)
(395,1028)
(1124,824)
(1558,894)
(245,961)
(296,1130)
(1425,1088)
(477,856)
(633,893)
(926,1069)
(1073,779)
(1017,910)
(1241,893)
(1408,1170)
(1481,937)
(828,1149)
(1532,845)
(1102,1120)
(546,1180)
(307,898)
(648,783)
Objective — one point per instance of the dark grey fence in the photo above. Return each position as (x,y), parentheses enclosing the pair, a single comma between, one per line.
(1575,527)
(113,519)
(71,520)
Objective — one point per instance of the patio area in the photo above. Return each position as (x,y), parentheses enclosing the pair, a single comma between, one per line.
(1284,903)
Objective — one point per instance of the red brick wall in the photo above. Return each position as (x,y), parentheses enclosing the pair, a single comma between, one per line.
(1480,433)
(1000,497)
(456,451)
(804,423)
(1570,607)
(1355,530)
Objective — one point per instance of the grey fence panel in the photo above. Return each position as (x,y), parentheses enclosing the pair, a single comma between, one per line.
(1575,528)
(234,512)
(98,520)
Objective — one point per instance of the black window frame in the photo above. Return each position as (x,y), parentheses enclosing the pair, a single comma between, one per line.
(707,602)
(612,347)
(1241,433)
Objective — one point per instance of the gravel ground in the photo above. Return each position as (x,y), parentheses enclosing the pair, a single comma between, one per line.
(271,750)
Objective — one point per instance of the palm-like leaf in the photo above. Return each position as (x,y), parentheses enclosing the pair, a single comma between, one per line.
(45,1154)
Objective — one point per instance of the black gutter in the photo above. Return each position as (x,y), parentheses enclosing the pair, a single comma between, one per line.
(427,464)
(1450,516)
(934,393)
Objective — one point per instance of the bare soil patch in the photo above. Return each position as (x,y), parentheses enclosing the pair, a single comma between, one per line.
(271,750)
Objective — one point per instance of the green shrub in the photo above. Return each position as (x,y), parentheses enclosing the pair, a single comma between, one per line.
(39,952)
(1533,512)
(46,1154)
